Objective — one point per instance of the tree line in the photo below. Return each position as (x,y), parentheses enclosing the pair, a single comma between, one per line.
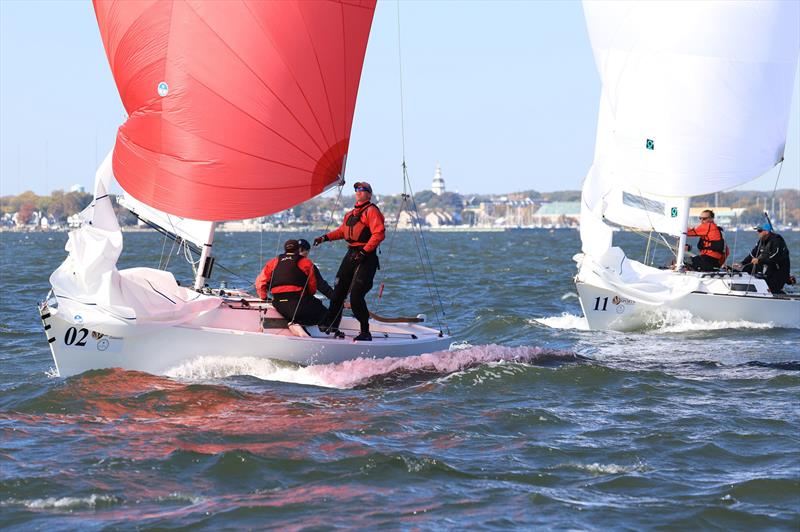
(58,206)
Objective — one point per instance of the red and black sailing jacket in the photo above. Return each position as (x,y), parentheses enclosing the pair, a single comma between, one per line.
(363,227)
(711,242)
(287,273)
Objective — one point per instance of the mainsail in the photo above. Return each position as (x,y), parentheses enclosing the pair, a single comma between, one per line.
(695,99)
(237,109)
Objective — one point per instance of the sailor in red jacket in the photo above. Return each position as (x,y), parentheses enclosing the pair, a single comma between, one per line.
(291,279)
(711,244)
(363,229)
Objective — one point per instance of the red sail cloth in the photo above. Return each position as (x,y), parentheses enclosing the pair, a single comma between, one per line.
(236,108)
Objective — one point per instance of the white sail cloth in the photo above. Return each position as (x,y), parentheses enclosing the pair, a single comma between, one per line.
(195,231)
(698,93)
(91,292)
(633,280)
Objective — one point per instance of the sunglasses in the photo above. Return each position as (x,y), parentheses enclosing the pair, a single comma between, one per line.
(361,189)
(704,217)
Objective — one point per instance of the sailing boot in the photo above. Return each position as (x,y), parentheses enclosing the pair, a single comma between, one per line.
(364,336)
(328,329)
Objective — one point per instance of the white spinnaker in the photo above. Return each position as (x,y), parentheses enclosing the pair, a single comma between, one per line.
(698,92)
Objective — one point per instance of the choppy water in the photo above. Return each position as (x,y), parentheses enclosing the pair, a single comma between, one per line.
(532,421)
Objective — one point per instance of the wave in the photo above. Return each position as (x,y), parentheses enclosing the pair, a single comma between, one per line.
(65,503)
(362,372)
(788,365)
(607,469)
(564,321)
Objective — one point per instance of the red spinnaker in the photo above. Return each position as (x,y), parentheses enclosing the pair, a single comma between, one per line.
(236,108)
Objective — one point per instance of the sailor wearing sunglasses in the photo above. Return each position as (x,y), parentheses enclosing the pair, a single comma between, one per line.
(363,229)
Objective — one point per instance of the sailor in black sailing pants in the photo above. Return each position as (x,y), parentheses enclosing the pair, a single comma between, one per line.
(364,230)
(291,279)
(770,258)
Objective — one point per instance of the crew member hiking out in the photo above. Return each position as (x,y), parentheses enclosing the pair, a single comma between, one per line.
(770,258)
(711,244)
(292,280)
(363,229)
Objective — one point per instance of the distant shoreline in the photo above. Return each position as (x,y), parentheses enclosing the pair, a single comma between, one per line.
(442,229)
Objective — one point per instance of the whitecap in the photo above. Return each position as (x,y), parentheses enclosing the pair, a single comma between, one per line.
(608,469)
(63,503)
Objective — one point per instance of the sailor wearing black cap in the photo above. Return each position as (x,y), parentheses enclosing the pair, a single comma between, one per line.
(363,229)
(769,257)
(291,279)
(322,285)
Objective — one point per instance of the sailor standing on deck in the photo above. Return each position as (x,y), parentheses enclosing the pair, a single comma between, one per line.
(363,229)
(291,278)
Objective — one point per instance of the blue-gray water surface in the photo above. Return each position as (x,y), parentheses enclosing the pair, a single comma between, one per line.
(532,421)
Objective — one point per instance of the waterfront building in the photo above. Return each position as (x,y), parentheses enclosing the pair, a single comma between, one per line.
(558,214)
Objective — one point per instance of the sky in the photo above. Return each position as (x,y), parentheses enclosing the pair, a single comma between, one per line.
(504,95)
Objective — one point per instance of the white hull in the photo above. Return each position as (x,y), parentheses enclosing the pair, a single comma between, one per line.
(230,330)
(606,309)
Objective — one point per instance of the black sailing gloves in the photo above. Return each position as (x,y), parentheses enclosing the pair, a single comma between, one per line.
(320,239)
(358,256)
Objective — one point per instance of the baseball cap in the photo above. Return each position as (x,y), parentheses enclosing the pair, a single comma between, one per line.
(763,227)
(303,244)
(363,184)
(290,246)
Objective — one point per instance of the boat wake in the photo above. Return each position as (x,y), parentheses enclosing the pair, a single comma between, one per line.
(681,321)
(365,372)
(564,321)
(667,322)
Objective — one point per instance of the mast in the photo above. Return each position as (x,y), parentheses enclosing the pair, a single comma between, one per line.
(683,216)
(206,260)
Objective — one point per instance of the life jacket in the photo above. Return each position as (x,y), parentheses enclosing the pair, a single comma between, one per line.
(713,245)
(356,231)
(288,273)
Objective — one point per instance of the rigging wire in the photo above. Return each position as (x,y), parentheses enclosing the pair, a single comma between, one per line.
(385,272)
(163,247)
(408,193)
(777,178)
(327,230)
